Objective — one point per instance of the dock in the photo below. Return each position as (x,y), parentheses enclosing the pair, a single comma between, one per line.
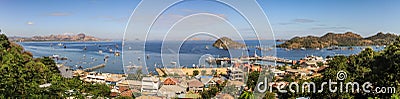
(189,71)
(265,58)
(94,68)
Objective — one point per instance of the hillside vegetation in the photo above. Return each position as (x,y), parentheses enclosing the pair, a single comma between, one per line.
(332,39)
(21,76)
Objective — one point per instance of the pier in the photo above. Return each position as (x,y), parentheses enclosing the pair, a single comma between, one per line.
(94,68)
(189,71)
(257,58)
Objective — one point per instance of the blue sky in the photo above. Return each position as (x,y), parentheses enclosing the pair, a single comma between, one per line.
(288,18)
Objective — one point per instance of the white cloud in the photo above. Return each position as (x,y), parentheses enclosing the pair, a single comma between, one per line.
(30,23)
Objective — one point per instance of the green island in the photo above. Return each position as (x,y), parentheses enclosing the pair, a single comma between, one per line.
(332,39)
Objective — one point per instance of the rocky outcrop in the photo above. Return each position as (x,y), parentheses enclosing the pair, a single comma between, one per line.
(227,43)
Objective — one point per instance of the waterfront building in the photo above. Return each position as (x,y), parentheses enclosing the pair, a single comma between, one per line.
(93,77)
(171,91)
(171,81)
(195,85)
(148,97)
(207,81)
(277,72)
(133,84)
(235,74)
(150,85)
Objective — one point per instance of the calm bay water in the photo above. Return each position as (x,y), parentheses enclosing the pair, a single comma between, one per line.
(189,53)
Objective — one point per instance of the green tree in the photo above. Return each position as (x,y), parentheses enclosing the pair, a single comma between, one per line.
(195,72)
(203,72)
(21,76)
(210,93)
(247,95)
(269,95)
(252,79)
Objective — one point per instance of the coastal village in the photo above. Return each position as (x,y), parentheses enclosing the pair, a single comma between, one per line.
(188,83)
(226,78)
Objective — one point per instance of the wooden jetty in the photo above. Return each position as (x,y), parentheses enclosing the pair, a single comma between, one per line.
(189,71)
(265,58)
(94,68)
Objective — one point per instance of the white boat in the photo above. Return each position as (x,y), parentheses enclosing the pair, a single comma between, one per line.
(55,56)
(60,44)
(207,47)
(133,67)
(303,48)
(100,52)
(173,63)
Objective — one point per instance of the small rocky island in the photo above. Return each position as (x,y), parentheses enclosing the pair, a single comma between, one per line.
(332,39)
(227,43)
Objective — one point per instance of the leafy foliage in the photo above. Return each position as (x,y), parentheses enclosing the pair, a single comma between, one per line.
(252,80)
(247,95)
(21,75)
(195,72)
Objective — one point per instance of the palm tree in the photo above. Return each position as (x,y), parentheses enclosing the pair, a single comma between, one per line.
(247,95)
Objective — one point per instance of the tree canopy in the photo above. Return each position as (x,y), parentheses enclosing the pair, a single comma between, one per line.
(22,75)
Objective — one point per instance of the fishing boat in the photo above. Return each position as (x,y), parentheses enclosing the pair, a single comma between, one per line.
(264,48)
(133,67)
(100,52)
(332,48)
(110,50)
(117,53)
(64,58)
(55,56)
(60,44)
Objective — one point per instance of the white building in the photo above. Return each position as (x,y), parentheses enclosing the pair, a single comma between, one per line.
(150,85)
(235,74)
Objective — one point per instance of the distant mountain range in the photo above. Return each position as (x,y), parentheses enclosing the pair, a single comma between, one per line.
(332,39)
(78,37)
